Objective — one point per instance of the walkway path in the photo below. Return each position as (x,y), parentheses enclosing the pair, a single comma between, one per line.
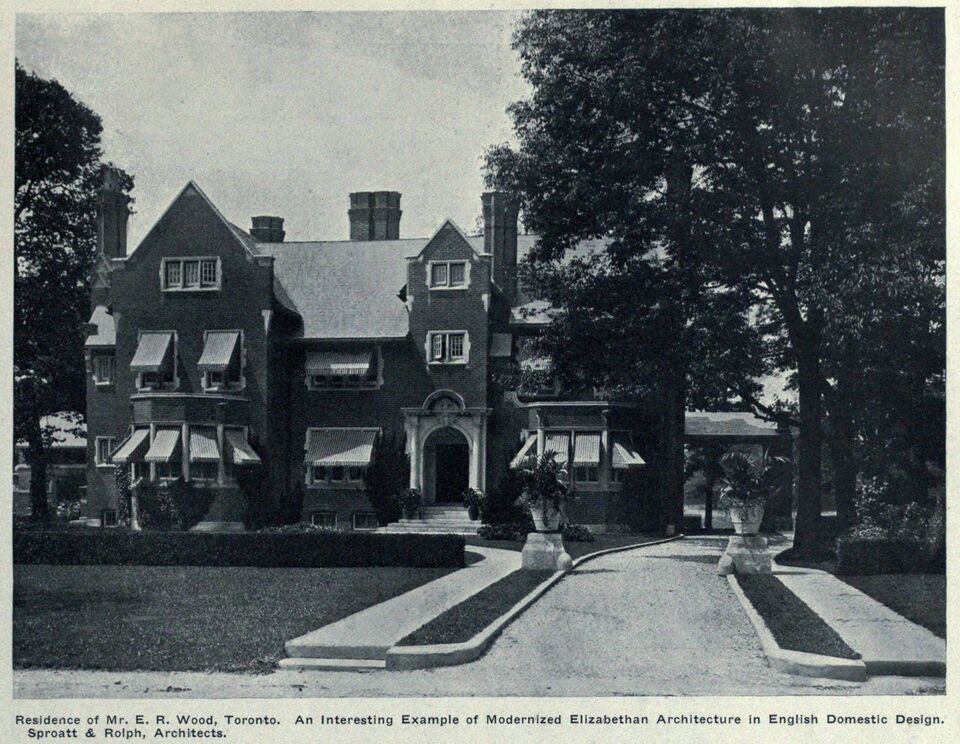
(888,642)
(651,621)
(366,635)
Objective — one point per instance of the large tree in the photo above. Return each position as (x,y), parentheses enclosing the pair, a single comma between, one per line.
(771,154)
(58,165)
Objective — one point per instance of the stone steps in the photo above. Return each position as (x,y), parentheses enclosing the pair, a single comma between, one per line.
(443,520)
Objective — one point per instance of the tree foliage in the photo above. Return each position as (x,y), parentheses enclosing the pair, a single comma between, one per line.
(58,164)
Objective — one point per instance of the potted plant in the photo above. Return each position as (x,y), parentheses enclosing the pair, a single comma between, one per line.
(745,487)
(410,500)
(544,492)
(474,500)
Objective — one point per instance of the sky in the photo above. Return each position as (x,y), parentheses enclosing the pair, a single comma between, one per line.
(287,113)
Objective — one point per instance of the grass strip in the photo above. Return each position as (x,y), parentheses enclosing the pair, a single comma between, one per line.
(921,598)
(793,624)
(463,621)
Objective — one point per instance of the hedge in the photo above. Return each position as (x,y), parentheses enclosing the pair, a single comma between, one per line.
(304,550)
(857,556)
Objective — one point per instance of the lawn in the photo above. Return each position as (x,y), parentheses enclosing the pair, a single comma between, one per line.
(574,549)
(185,617)
(921,598)
(794,625)
(463,621)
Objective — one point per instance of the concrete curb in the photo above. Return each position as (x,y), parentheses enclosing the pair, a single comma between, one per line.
(452,654)
(797,662)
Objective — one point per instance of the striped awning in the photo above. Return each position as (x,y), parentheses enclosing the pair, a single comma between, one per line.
(346,447)
(203,445)
(238,448)
(153,352)
(339,363)
(529,449)
(586,449)
(165,446)
(558,442)
(132,448)
(623,455)
(219,350)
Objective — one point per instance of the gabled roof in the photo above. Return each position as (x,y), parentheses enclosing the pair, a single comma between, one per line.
(475,243)
(106,328)
(344,289)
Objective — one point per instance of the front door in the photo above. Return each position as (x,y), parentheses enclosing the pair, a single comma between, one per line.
(453,472)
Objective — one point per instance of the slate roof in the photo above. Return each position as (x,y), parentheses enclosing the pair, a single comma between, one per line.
(106,332)
(727,424)
(344,289)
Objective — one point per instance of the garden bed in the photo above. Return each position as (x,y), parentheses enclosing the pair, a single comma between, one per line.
(921,598)
(185,618)
(463,621)
(793,624)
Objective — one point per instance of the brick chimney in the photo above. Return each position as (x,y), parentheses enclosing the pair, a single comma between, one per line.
(375,215)
(112,214)
(267,229)
(500,239)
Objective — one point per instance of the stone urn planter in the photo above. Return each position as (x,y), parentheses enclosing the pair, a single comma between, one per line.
(474,501)
(746,516)
(544,494)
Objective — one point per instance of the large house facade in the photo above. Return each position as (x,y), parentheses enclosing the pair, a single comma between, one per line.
(212,350)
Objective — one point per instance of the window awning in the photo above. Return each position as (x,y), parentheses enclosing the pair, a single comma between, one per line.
(623,455)
(536,364)
(219,350)
(165,446)
(153,351)
(339,363)
(586,449)
(203,445)
(132,448)
(346,447)
(527,450)
(558,442)
(238,448)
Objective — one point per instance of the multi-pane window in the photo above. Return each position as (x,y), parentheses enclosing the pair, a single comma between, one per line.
(326,519)
(325,382)
(169,470)
(365,521)
(337,475)
(203,471)
(448,274)
(590,474)
(105,447)
(104,369)
(448,346)
(191,273)
(139,471)
(108,518)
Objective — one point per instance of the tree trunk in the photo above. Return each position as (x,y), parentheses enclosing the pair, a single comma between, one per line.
(708,502)
(806,538)
(37,458)
(673,461)
(840,443)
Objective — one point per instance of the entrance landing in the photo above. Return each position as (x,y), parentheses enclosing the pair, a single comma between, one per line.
(361,640)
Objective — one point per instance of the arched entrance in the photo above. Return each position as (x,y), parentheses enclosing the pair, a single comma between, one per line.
(446,460)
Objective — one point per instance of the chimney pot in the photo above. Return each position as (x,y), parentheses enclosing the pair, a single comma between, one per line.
(267,229)
(375,215)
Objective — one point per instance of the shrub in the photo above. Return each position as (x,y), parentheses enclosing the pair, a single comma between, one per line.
(252,484)
(388,475)
(301,549)
(577,533)
(873,554)
(410,500)
(297,528)
(174,505)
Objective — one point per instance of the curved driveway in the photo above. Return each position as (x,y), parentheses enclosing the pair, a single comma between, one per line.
(651,621)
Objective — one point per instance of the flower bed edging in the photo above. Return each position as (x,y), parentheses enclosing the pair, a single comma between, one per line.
(452,654)
(797,662)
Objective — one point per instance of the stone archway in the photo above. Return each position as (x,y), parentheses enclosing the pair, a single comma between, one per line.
(444,419)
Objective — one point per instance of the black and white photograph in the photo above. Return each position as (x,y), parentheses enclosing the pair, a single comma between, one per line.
(512,353)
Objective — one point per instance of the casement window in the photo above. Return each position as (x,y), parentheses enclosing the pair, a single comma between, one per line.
(104,369)
(203,471)
(104,448)
(167,471)
(192,273)
(448,274)
(448,347)
(365,521)
(326,519)
(337,475)
(586,475)
(108,518)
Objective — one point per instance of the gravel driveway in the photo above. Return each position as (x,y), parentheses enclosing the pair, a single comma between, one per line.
(652,621)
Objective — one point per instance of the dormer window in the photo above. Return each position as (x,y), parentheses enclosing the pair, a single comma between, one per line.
(448,274)
(191,273)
